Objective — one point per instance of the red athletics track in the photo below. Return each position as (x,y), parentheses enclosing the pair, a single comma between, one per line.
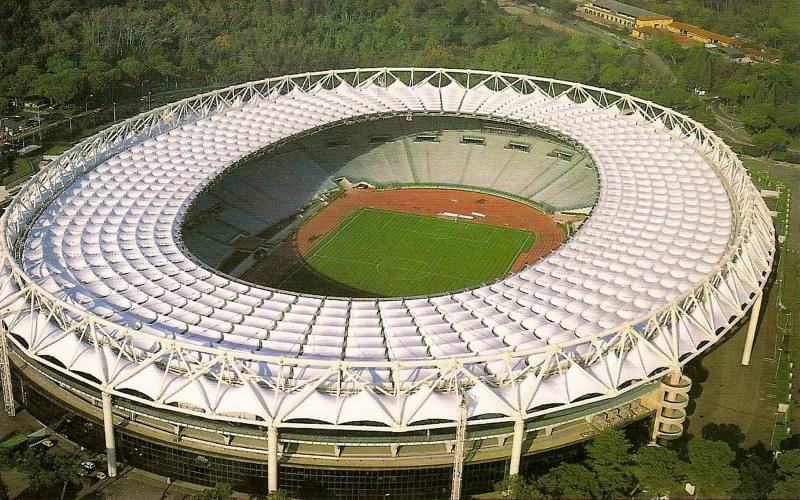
(422,201)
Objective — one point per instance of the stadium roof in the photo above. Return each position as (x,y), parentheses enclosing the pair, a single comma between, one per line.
(628,10)
(105,291)
(697,30)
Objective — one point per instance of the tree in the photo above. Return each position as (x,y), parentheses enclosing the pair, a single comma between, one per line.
(61,87)
(48,469)
(611,76)
(220,491)
(517,486)
(563,6)
(773,139)
(789,463)
(23,80)
(772,36)
(132,68)
(98,75)
(787,117)
(7,459)
(789,473)
(656,470)
(755,118)
(757,470)
(610,459)
(668,49)
(16,23)
(568,481)
(278,495)
(736,91)
(7,159)
(709,468)
(786,489)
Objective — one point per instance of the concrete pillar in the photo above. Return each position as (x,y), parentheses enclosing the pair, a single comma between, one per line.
(516,447)
(272,464)
(108,426)
(751,330)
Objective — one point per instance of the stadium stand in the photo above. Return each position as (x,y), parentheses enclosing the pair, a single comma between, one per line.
(263,191)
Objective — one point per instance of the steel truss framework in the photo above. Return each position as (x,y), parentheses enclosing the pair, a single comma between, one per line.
(650,342)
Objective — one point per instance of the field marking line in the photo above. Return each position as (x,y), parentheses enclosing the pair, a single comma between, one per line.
(435,236)
(519,252)
(333,234)
(368,264)
(425,269)
(400,221)
(426,218)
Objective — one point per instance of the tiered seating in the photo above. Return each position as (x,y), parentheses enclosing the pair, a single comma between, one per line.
(577,188)
(403,160)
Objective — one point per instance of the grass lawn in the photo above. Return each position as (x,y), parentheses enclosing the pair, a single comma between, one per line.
(58,148)
(22,168)
(391,253)
(745,399)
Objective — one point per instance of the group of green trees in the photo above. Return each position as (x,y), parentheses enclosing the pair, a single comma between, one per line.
(77,52)
(614,468)
(47,471)
(68,50)
(765,97)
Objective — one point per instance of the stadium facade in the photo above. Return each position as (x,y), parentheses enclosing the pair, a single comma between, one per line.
(177,368)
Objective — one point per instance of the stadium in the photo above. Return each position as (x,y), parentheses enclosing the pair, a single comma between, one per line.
(356,283)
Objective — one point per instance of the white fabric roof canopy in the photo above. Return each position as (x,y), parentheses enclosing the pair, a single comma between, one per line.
(110,244)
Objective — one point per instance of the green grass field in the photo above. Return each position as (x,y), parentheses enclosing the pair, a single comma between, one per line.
(390,253)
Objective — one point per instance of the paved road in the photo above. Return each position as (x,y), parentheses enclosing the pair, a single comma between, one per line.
(733,129)
(157,98)
(49,125)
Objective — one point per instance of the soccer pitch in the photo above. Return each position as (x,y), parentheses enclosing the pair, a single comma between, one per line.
(391,254)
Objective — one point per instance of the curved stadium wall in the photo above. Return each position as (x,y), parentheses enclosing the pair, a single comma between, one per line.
(103,307)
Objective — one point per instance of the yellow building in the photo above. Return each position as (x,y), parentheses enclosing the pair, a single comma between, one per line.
(685,34)
(655,21)
(705,36)
(613,12)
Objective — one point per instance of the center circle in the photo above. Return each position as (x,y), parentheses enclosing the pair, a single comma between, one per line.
(405,269)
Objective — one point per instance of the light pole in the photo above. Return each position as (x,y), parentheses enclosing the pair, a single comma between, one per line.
(39,121)
(86,102)
(114,104)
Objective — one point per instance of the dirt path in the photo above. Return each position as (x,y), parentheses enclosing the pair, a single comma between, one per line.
(432,202)
(532,16)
